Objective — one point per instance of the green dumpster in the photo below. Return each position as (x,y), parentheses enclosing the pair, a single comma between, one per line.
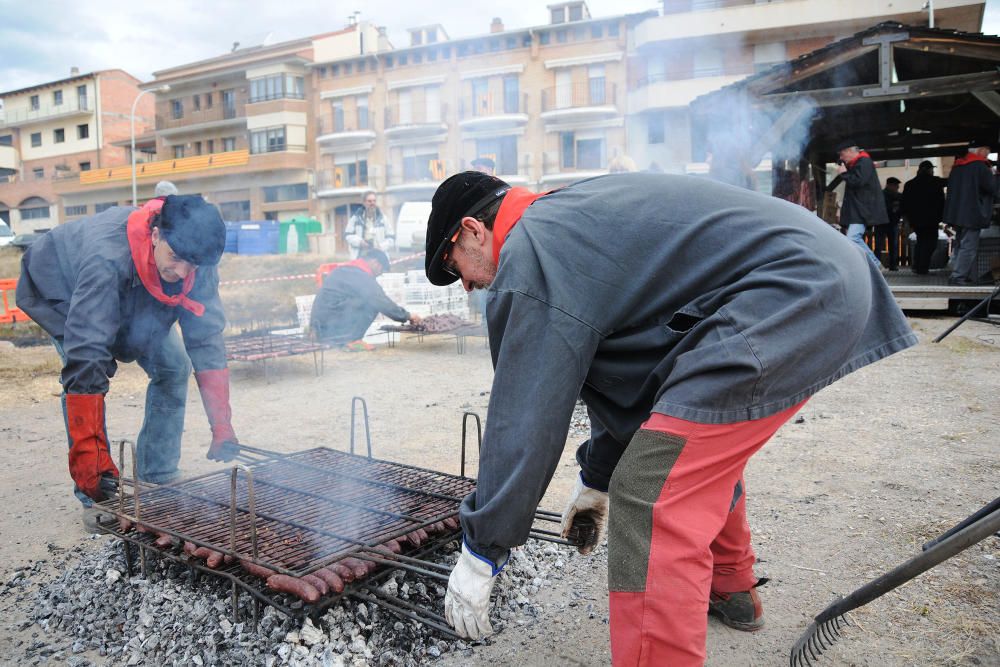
(293,237)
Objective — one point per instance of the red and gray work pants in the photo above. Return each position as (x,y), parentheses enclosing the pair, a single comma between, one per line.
(677,531)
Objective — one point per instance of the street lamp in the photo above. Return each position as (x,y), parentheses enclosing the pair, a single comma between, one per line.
(160,89)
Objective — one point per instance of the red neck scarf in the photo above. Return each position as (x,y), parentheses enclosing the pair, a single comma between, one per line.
(969,158)
(361,264)
(861,154)
(511,209)
(140,242)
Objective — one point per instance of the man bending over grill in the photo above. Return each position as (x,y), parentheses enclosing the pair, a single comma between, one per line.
(109,289)
(350,300)
(693,327)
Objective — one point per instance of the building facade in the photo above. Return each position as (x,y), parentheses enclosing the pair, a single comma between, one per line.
(698,46)
(52,133)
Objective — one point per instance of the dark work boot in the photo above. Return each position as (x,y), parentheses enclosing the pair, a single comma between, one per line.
(741,611)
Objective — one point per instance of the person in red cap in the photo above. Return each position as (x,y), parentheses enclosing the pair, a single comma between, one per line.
(692,327)
(109,289)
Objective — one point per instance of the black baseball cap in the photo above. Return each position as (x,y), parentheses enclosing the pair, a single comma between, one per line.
(462,195)
(978,143)
(845,143)
(926,164)
(377,255)
(193,228)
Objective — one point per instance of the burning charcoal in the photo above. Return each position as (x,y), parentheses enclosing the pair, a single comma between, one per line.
(297,587)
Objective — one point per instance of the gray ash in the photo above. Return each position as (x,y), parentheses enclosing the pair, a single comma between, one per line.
(93,613)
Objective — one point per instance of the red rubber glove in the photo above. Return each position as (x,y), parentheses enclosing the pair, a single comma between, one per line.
(214,387)
(90,463)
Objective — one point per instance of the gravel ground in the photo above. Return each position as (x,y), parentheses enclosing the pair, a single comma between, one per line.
(875,465)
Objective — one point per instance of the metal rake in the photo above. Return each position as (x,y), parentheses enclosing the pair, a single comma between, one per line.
(826,627)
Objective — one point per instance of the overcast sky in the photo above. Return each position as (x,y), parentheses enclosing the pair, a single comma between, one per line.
(40,40)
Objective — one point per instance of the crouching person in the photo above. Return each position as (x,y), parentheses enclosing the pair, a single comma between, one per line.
(109,289)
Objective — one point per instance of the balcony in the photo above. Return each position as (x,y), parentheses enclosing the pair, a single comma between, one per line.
(345,132)
(166,168)
(490,113)
(663,93)
(580,102)
(69,108)
(9,158)
(193,121)
(408,125)
(344,182)
(418,178)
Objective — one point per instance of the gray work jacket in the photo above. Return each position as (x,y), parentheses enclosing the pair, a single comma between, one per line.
(348,303)
(646,292)
(79,283)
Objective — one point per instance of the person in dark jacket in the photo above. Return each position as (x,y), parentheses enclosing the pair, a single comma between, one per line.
(109,289)
(887,235)
(692,326)
(923,206)
(351,298)
(972,189)
(863,205)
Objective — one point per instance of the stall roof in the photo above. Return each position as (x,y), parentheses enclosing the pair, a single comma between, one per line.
(899,91)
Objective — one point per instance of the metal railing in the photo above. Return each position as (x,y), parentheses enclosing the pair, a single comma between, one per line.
(596,92)
(16,116)
(333,179)
(277,148)
(478,106)
(415,115)
(347,122)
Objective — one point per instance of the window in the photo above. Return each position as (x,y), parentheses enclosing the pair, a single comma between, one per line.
(208,100)
(613,30)
(210,146)
(322,72)
(561,36)
(363,114)
(337,106)
(432,55)
(350,170)
(481,97)
(100,208)
(511,95)
(196,102)
(558,15)
(707,62)
(595,77)
(576,12)
(402,59)
(228,144)
(583,151)
(176,109)
(85,165)
(57,98)
(76,210)
(404,107)
(579,34)
(417,162)
(335,69)
(38,172)
(432,102)
(83,131)
(234,211)
(596,32)
(34,208)
(361,66)
(349,67)
(656,69)
(388,62)
(33,102)
(197,148)
(268,141)
(544,38)
(229,104)
(291,192)
(178,152)
(767,55)
(503,152)
(655,129)
(417,59)
(59,135)
(36,139)
(446,52)
(494,45)
(277,86)
(510,43)
(7,140)
(81,97)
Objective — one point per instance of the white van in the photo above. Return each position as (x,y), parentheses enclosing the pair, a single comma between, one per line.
(6,236)
(411,225)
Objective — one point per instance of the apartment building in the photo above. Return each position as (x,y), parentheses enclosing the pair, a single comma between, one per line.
(55,131)
(235,129)
(698,46)
(545,103)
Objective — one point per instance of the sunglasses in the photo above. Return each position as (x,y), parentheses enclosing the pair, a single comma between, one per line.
(449,267)
(447,244)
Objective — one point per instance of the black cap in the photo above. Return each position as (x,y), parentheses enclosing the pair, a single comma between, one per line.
(461,195)
(193,228)
(926,164)
(845,143)
(378,256)
(978,143)
(484,162)
(892,179)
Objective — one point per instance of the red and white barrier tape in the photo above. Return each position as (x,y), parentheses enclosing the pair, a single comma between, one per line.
(303,276)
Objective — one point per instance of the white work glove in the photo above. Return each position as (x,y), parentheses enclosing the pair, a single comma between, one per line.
(467,603)
(586,507)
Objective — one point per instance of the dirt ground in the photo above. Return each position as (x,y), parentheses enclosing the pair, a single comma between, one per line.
(880,462)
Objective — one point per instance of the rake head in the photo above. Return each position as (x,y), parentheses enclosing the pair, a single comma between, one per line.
(818,637)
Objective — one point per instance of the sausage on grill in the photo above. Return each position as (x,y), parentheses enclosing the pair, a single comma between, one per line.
(334,582)
(452,523)
(297,587)
(164,541)
(190,548)
(358,567)
(342,571)
(257,570)
(316,582)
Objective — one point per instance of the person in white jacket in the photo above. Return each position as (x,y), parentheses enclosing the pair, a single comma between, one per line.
(368,228)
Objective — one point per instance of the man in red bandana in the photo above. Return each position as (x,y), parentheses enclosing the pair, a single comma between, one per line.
(864,204)
(693,318)
(972,190)
(109,289)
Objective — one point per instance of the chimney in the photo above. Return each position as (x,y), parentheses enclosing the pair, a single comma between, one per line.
(73,71)
(496,25)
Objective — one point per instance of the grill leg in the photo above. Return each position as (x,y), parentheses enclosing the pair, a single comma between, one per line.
(142,562)
(129,565)
(236,603)
(256,613)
